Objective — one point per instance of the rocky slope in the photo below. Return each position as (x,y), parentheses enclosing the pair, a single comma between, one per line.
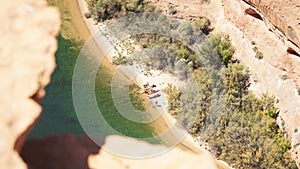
(27,47)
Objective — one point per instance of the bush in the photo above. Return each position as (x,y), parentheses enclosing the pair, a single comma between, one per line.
(203,24)
(255,49)
(247,135)
(120,60)
(284,77)
(108,9)
(173,97)
(183,53)
(223,46)
(259,55)
(172,10)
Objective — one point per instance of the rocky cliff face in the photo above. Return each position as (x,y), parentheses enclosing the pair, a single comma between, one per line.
(27,47)
(278,73)
(284,15)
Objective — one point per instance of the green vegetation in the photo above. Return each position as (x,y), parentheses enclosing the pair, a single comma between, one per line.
(174,97)
(103,10)
(258,54)
(244,133)
(120,60)
(223,46)
(284,77)
(172,10)
(203,24)
(166,53)
(135,97)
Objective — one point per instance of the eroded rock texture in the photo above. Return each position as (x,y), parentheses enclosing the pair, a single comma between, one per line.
(27,47)
(284,14)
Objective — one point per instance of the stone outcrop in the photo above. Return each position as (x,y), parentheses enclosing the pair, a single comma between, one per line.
(284,15)
(27,47)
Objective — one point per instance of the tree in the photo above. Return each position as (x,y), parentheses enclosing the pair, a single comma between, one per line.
(223,46)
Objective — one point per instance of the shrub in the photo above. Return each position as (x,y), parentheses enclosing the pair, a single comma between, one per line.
(120,60)
(183,53)
(107,9)
(255,49)
(284,77)
(173,97)
(223,46)
(203,24)
(259,55)
(172,10)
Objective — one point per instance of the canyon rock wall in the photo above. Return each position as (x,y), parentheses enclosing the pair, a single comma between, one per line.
(284,15)
(278,72)
(27,47)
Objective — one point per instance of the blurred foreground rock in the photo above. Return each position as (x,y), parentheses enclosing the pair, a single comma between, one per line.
(27,47)
(69,152)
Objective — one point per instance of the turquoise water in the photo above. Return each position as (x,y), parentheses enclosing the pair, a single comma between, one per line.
(59,116)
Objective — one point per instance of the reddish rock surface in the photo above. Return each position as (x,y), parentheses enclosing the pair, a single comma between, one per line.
(59,152)
(284,14)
